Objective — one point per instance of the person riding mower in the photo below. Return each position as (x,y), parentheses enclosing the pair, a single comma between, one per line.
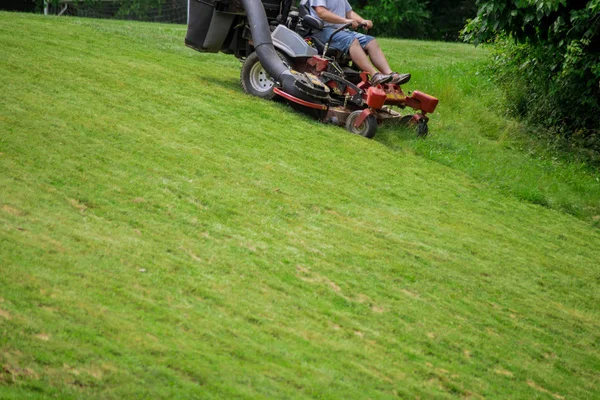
(362,48)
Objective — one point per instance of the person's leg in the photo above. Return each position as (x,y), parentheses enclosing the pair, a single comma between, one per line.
(377,57)
(360,58)
(346,42)
(353,44)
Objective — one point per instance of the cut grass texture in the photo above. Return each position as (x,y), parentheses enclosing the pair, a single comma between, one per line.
(163,235)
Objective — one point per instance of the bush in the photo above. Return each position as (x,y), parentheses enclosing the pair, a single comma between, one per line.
(548,59)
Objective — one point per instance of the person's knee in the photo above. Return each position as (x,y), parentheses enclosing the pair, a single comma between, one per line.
(355,43)
(372,45)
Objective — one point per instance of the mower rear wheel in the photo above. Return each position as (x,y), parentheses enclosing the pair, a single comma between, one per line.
(368,128)
(255,80)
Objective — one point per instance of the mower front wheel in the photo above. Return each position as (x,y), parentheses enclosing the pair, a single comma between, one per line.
(367,128)
(255,80)
(422,128)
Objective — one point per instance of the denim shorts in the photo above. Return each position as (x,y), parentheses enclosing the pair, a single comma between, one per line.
(343,39)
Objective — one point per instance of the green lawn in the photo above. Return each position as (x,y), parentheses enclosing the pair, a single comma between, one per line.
(163,235)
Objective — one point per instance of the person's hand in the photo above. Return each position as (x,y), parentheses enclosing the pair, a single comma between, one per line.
(368,23)
(354,23)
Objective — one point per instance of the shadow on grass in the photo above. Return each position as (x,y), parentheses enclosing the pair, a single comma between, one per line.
(226,82)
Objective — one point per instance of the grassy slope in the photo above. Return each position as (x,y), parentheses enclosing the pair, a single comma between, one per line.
(280,257)
(475,138)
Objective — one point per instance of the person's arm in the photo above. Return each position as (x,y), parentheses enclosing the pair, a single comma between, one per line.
(330,17)
(352,15)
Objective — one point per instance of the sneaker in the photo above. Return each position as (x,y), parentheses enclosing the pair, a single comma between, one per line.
(399,79)
(379,79)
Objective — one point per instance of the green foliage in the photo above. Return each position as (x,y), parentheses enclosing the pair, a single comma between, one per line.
(535,21)
(140,8)
(123,9)
(396,18)
(434,19)
(448,18)
(554,70)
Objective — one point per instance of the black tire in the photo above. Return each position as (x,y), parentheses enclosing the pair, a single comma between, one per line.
(255,80)
(422,128)
(367,129)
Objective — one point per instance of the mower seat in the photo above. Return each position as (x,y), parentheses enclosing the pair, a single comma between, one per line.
(312,23)
(308,22)
(304,11)
(320,46)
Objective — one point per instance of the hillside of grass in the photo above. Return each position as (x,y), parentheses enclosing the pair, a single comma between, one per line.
(163,235)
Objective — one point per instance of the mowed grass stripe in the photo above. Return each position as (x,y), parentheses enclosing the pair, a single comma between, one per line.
(163,235)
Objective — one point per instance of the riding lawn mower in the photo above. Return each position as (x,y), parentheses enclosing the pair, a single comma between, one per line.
(282,59)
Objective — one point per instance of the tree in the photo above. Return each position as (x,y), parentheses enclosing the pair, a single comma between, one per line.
(433,19)
(395,18)
(448,18)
